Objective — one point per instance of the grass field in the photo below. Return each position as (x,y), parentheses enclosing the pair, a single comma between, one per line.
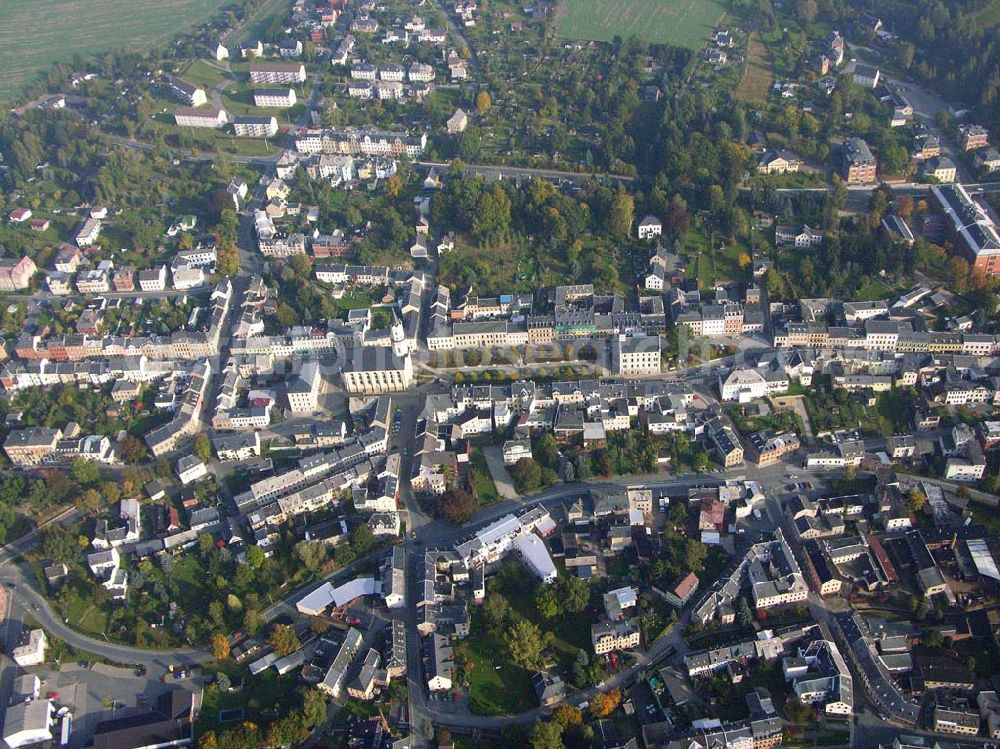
(42,32)
(758,77)
(201,73)
(682,23)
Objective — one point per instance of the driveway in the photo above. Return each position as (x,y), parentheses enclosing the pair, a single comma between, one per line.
(505,485)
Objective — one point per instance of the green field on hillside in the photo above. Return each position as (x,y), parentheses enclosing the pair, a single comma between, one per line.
(37,33)
(681,23)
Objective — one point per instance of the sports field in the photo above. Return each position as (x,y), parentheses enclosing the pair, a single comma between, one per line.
(36,33)
(681,23)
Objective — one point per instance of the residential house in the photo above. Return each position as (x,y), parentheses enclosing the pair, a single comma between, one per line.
(857,163)
(866,76)
(971,137)
(31,650)
(457,123)
(68,259)
(16,274)
(801,237)
(154,279)
(88,232)
(778,162)
(940,169)
(607,637)
(650,227)
(987,159)
(280,98)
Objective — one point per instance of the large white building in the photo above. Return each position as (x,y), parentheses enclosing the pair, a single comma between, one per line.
(826,680)
(650,227)
(774,576)
(277,72)
(336,674)
(255,127)
(200,117)
(187,277)
(274,97)
(88,233)
(153,279)
(303,391)
(421,73)
(610,636)
(189,93)
(514,450)
(371,370)
(534,554)
(237,446)
(635,356)
(191,469)
(32,652)
(490,543)
(353,142)
(744,385)
(770,570)
(28,723)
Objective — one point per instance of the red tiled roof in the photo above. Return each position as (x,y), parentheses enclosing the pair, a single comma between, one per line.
(883,559)
(685,586)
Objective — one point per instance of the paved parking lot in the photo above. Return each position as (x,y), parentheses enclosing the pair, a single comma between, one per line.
(100,693)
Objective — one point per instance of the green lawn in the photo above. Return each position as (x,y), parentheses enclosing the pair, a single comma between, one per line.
(491,691)
(85,616)
(263,697)
(894,412)
(207,140)
(42,32)
(353,300)
(682,24)
(709,263)
(190,578)
(482,481)
(201,73)
(872,290)
(238,100)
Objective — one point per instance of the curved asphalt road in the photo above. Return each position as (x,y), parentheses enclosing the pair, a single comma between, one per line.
(30,603)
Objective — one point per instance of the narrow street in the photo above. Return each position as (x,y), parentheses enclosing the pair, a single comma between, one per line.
(456,32)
